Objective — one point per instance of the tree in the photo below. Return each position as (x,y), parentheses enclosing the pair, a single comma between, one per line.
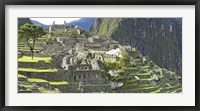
(30,33)
(125,60)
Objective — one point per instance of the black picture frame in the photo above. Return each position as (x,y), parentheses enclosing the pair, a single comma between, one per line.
(98,2)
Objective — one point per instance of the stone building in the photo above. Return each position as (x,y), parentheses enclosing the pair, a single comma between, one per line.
(106,57)
(99,56)
(98,43)
(110,58)
(95,65)
(93,46)
(113,44)
(82,39)
(52,47)
(80,47)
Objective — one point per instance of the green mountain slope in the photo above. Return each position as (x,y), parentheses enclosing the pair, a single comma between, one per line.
(158,38)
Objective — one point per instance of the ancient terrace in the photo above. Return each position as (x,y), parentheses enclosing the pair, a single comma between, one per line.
(70,60)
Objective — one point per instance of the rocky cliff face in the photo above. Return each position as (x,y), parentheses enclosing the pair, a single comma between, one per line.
(158,38)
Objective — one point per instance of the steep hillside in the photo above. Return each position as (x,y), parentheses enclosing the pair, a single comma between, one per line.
(158,38)
(22,21)
(105,26)
(84,23)
(40,24)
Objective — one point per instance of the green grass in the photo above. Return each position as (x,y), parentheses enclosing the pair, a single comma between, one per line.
(149,79)
(142,88)
(42,90)
(131,81)
(27,48)
(28,90)
(36,80)
(42,38)
(145,73)
(130,86)
(21,45)
(37,42)
(131,68)
(105,29)
(156,91)
(36,70)
(144,67)
(59,83)
(25,85)
(21,76)
(179,89)
(35,59)
(138,59)
(173,87)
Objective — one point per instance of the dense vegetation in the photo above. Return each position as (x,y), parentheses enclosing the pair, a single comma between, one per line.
(30,33)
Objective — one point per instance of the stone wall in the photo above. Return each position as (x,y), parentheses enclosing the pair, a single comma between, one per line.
(36,65)
(62,88)
(49,76)
(106,57)
(96,88)
(82,76)
(82,67)
(110,58)
(22,80)
(28,52)
(73,87)
(57,60)
(45,85)
(52,47)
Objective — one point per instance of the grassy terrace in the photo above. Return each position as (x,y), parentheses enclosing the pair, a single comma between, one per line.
(38,42)
(132,81)
(35,59)
(144,67)
(179,90)
(144,85)
(36,70)
(130,68)
(42,90)
(156,91)
(27,48)
(59,83)
(147,79)
(129,86)
(135,74)
(21,45)
(142,88)
(37,80)
(173,87)
(21,76)
(25,85)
